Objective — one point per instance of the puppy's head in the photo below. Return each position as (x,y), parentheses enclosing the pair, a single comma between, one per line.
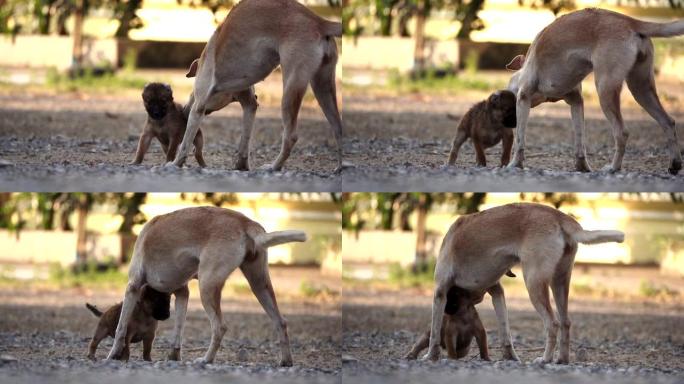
(502,105)
(155,303)
(458,299)
(158,99)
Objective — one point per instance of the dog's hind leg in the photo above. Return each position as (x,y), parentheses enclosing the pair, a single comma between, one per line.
(641,84)
(256,273)
(324,88)
(576,102)
(180,309)
(538,290)
(249,104)
(499,303)
(522,111)
(560,286)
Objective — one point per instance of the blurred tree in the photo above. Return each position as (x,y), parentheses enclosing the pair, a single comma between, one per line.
(128,206)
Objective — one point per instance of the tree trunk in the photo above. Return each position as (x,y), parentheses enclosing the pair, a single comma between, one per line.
(77,52)
(131,208)
(81,230)
(419,50)
(421,251)
(472,9)
(127,17)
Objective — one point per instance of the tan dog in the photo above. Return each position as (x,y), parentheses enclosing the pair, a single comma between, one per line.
(487,123)
(255,37)
(479,248)
(206,243)
(460,324)
(616,48)
(165,122)
(152,306)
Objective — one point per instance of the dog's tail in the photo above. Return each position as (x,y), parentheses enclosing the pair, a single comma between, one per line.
(271,239)
(597,237)
(331,28)
(674,28)
(94,310)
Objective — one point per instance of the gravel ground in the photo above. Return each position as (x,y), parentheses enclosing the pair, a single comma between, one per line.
(44,336)
(66,141)
(400,143)
(614,342)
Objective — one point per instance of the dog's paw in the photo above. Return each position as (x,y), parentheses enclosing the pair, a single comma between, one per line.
(286,362)
(581,165)
(610,169)
(269,168)
(509,354)
(562,360)
(430,357)
(410,356)
(540,361)
(174,354)
(241,164)
(675,167)
(200,361)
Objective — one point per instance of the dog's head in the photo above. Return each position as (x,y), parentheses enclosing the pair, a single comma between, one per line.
(155,303)
(158,99)
(502,105)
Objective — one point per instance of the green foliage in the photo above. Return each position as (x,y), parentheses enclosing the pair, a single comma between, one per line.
(448,84)
(96,275)
(650,289)
(130,60)
(412,277)
(471,62)
(309,289)
(106,82)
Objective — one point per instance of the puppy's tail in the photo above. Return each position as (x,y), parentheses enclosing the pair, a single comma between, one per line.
(451,116)
(331,28)
(597,237)
(267,240)
(674,28)
(94,310)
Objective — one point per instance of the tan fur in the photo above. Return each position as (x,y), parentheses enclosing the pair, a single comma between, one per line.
(256,37)
(486,124)
(479,248)
(169,130)
(206,243)
(141,327)
(617,48)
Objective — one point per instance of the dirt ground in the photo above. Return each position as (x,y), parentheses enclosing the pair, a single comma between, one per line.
(610,341)
(401,142)
(44,335)
(65,141)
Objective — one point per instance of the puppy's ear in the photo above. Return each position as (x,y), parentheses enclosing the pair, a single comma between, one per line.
(193,68)
(494,97)
(516,63)
(168,88)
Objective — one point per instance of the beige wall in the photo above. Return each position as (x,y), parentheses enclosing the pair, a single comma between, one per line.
(52,51)
(393,52)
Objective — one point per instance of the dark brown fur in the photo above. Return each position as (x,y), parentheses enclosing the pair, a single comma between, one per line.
(166,122)
(153,306)
(461,324)
(486,124)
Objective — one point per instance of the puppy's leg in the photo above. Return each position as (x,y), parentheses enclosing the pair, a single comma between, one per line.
(560,286)
(100,333)
(298,71)
(133,291)
(143,146)
(420,345)
(249,104)
(461,137)
(479,153)
(199,144)
(576,102)
(180,308)
(148,340)
(481,338)
(506,145)
(451,340)
(173,148)
(499,302)
(256,273)
(609,79)
(324,88)
(538,290)
(641,84)
(438,304)
(522,110)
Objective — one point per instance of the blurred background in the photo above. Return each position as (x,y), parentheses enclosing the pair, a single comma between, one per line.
(87,239)
(394,238)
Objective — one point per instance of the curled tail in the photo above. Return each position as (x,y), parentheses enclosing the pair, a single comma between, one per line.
(674,28)
(94,310)
(597,237)
(266,240)
(332,28)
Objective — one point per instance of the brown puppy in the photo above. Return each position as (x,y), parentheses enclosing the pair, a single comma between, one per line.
(153,306)
(166,122)
(461,324)
(486,124)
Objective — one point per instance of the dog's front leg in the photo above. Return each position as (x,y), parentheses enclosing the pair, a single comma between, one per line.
(249,104)
(522,110)
(181,308)
(576,102)
(438,304)
(133,291)
(194,120)
(499,302)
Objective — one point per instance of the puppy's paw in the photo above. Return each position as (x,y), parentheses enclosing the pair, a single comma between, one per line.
(171,165)
(287,362)
(174,354)
(410,356)
(561,360)
(270,168)
(241,164)
(675,166)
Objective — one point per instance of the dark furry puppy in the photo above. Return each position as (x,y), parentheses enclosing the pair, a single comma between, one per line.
(153,306)
(486,124)
(166,121)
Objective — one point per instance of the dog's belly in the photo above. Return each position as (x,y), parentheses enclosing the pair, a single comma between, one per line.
(167,274)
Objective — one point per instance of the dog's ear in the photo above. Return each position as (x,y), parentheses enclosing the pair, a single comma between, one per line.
(516,63)
(193,68)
